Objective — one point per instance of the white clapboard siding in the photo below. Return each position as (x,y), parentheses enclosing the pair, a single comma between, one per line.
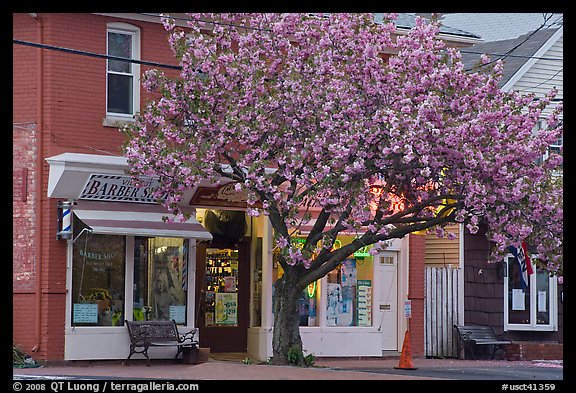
(545,75)
(441,311)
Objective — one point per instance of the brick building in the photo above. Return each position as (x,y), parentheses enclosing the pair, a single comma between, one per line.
(66,113)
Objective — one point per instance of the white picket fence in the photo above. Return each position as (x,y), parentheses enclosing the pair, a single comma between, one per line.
(442,311)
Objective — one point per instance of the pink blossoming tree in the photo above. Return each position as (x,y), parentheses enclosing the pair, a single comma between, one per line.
(307,113)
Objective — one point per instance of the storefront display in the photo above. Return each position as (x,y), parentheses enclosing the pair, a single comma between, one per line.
(349,293)
(160,278)
(97,279)
(364,298)
(221,287)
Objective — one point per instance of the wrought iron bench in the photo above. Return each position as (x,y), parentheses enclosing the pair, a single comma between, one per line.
(474,335)
(146,334)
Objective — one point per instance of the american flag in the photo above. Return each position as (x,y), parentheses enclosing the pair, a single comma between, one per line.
(523,258)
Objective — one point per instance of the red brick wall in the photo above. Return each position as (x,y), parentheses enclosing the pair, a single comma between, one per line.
(76,87)
(74,106)
(24,132)
(24,59)
(535,351)
(417,251)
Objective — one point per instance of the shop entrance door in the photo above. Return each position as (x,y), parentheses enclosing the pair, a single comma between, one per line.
(222,290)
(387,306)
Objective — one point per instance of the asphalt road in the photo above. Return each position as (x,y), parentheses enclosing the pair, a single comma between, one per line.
(529,374)
(479,373)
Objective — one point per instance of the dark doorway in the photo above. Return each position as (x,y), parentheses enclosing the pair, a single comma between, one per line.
(222,293)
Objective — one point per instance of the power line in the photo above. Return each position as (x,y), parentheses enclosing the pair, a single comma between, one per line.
(162,65)
(509,52)
(541,83)
(92,54)
(503,55)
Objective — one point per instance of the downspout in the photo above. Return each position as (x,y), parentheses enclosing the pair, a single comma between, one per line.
(39,185)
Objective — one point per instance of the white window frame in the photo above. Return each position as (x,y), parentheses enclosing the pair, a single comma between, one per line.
(129,282)
(553,294)
(123,28)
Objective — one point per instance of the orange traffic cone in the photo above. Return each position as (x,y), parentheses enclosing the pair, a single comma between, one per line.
(406,356)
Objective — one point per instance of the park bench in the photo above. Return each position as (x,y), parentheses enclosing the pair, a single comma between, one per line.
(472,336)
(146,334)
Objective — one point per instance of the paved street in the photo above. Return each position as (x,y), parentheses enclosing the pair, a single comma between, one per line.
(327,369)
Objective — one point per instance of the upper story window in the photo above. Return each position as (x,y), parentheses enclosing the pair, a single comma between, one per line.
(555,147)
(123,77)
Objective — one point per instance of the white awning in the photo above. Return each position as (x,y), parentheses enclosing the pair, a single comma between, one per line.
(136,219)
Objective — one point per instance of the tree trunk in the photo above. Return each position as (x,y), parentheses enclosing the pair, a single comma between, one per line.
(286,341)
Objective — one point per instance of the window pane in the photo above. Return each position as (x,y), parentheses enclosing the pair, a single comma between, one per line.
(257,283)
(308,305)
(221,287)
(119,94)
(341,292)
(518,297)
(97,279)
(310,296)
(160,279)
(543,298)
(120,45)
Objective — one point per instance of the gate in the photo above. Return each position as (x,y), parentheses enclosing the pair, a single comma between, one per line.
(442,311)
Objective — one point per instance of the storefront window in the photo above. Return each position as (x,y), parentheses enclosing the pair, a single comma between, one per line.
(532,307)
(160,279)
(518,297)
(349,292)
(221,287)
(97,278)
(308,302)
(543,298)
(309,305)
(257,286)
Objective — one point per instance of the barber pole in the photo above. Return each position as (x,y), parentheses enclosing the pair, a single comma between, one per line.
(65,220)
(185,275)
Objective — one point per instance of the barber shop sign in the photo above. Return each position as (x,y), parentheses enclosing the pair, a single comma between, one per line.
(121,189)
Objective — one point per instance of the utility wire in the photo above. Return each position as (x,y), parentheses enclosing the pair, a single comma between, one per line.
(162,65)
(92,54)
(149,63)
(504,55)
(541,83)
(509,52)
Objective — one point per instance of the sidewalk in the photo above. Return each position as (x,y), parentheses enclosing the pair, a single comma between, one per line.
(235,369)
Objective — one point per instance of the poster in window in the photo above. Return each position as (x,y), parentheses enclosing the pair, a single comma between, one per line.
(85,313)
(542,301)
(348,273)
(364,303)
(178,313)
(348,301)
(518,300)
(226,308)
(334,292)
(230,284)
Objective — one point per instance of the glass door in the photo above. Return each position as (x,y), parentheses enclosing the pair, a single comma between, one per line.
(223,293)
(221,288)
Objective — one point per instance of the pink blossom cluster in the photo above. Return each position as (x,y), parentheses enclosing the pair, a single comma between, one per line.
(336,103)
